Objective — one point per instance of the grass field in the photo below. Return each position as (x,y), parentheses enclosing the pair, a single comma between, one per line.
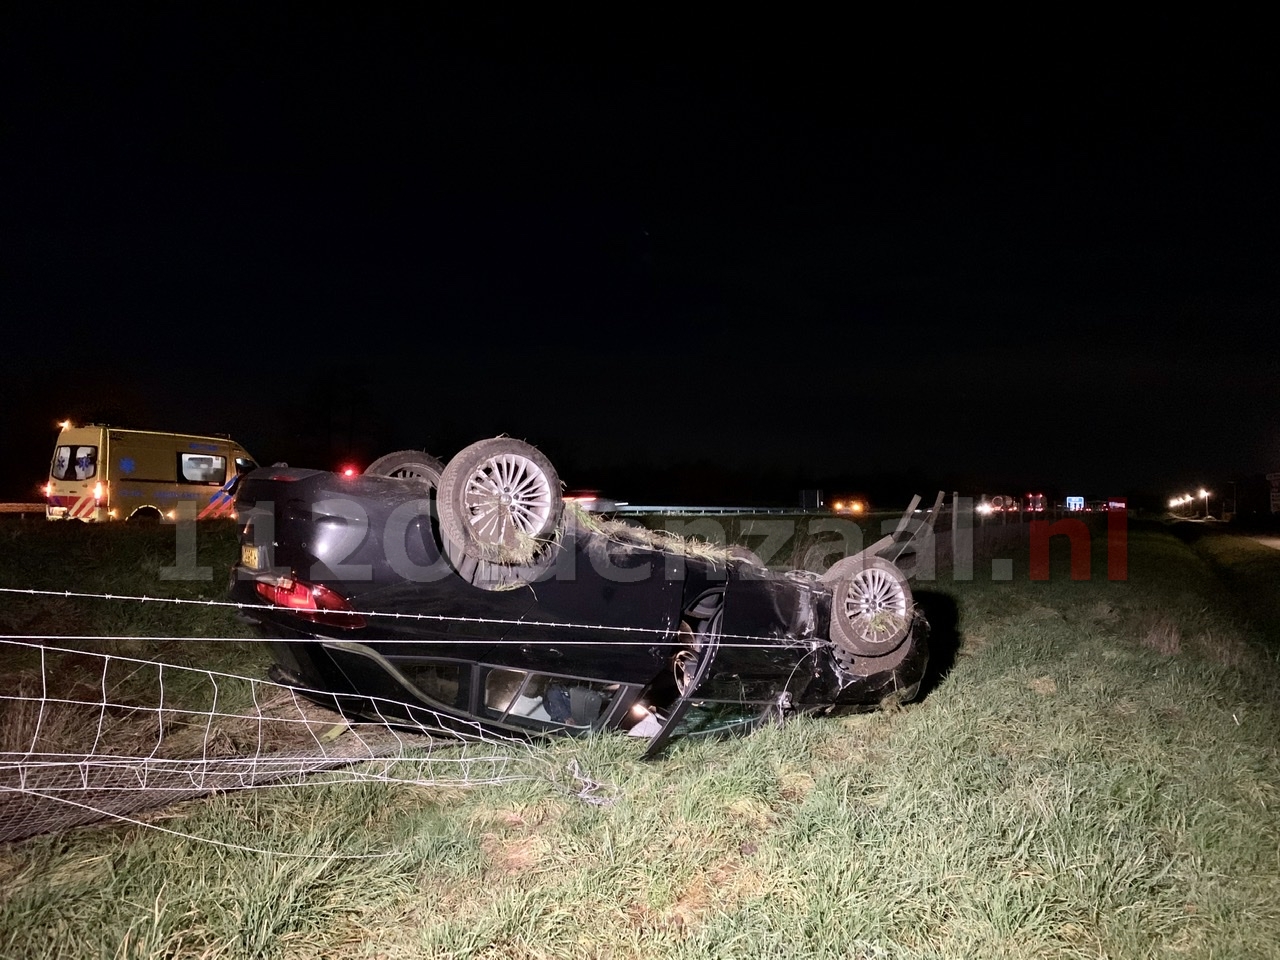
(1092,772)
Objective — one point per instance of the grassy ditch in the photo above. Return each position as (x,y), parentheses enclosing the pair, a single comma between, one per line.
(1092,772)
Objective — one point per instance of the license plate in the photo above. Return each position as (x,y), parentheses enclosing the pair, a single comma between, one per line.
(249,556)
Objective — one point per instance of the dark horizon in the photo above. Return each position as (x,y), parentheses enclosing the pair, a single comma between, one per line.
(711,481)
(727,260)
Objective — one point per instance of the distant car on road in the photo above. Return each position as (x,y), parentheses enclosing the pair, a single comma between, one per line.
(592,501)
(1001,503)
(472,600)
(849,506)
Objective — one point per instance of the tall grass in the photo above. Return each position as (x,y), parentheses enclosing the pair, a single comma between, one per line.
(1092,772)
(80,575)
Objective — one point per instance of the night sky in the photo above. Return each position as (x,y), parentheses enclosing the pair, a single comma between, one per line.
(713,259)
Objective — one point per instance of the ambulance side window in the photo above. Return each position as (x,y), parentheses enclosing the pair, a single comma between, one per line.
(202,468)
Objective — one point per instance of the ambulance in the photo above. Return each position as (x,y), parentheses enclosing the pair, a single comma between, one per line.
(100,473)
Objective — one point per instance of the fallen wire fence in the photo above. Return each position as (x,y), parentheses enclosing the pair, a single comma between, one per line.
(88,735)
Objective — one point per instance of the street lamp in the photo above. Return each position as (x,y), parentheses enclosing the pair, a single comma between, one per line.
(1205,493)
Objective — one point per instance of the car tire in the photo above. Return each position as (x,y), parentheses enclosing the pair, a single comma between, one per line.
(871,606)
(408,464)
(500,506)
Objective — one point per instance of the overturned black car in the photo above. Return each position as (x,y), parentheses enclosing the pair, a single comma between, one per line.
(469,597)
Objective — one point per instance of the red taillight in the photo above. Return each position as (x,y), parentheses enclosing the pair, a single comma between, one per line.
(313,602)
(349,471)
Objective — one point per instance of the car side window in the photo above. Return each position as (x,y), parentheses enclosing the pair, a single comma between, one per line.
(545,699)
(440,680)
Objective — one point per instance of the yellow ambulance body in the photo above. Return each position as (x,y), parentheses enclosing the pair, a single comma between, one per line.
(101,472)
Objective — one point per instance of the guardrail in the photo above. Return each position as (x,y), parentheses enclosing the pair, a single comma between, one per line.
(21,508)
(635,509)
